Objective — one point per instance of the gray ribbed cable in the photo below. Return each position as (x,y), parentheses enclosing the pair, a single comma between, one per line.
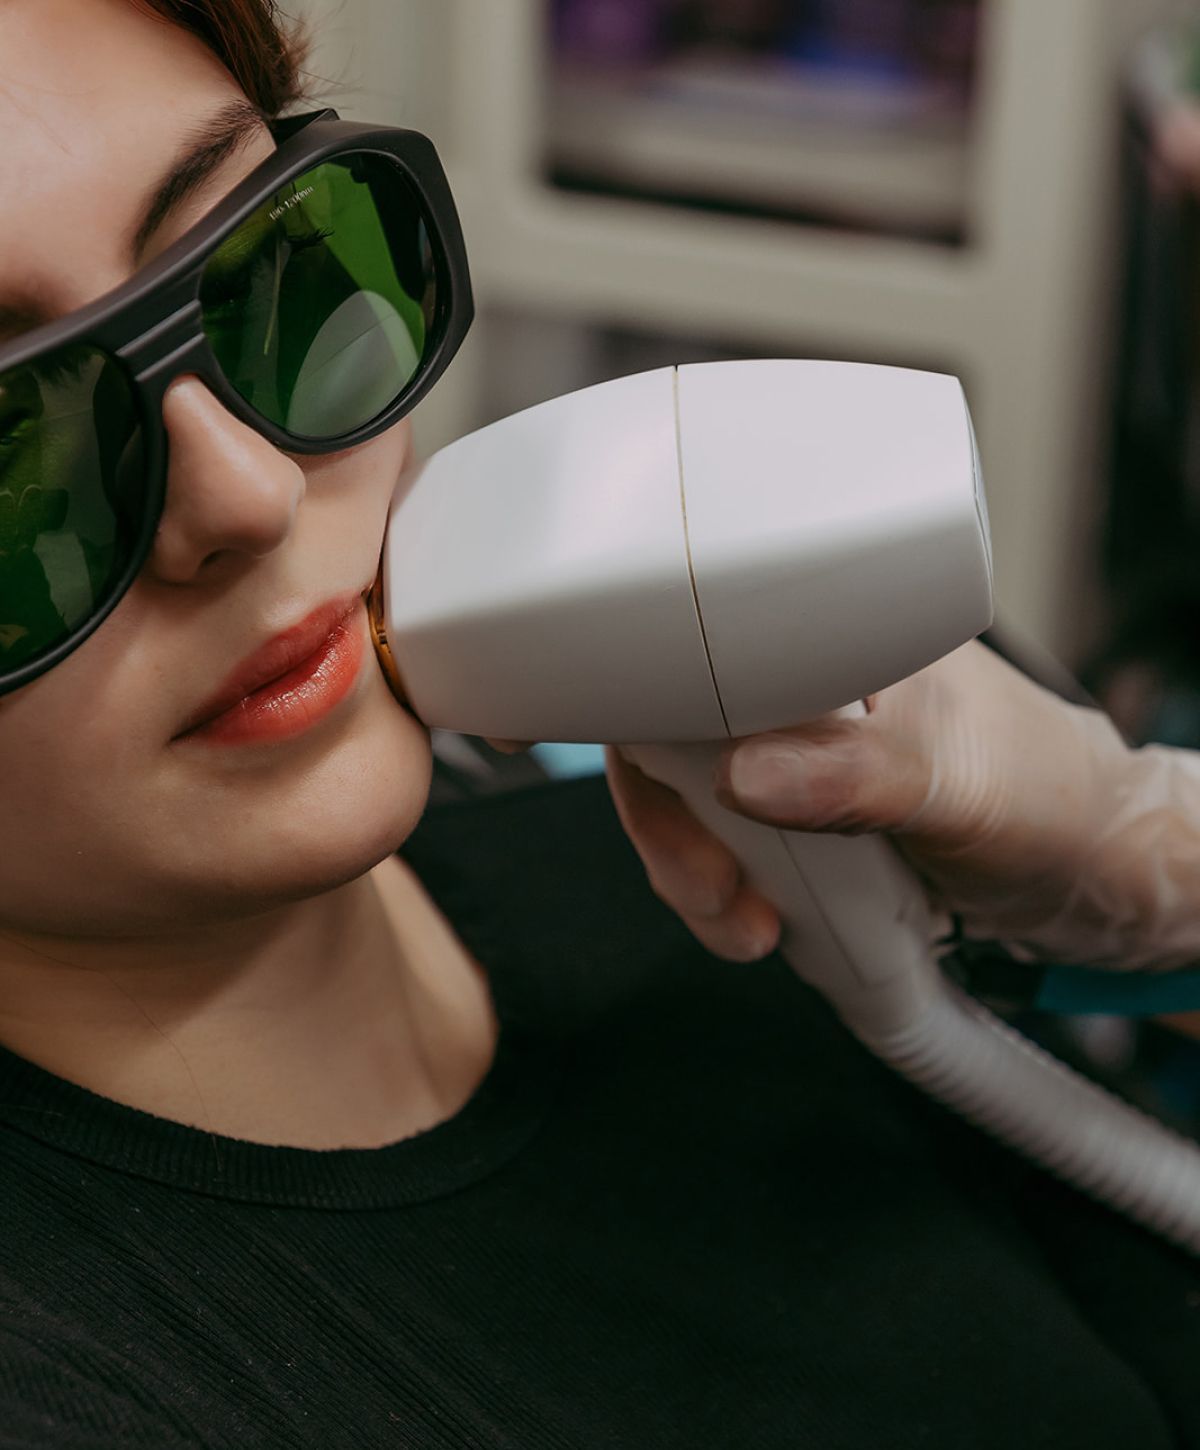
(976,1064)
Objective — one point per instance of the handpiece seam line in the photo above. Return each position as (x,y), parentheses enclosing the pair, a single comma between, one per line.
(687,545)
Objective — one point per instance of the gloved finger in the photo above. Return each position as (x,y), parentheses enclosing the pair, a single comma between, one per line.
(693,871)
(745,931)
(689,869)
(848,775)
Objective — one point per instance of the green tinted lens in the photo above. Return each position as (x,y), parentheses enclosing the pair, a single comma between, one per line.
(319,307)
(72,488)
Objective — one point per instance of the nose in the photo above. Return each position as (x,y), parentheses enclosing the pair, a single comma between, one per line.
(230,493)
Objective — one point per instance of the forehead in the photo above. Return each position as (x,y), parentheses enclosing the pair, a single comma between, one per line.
(95,97)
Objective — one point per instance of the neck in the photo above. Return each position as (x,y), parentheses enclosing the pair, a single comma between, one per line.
(351,1019)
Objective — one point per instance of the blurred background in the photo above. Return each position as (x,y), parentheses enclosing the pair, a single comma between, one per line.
(1001,189)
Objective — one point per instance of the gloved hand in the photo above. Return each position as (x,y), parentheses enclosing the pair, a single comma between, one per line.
(1029,817)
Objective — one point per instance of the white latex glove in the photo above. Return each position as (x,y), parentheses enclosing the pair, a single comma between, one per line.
(1027,816)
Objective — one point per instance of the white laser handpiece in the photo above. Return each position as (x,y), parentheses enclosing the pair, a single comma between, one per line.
(697,553)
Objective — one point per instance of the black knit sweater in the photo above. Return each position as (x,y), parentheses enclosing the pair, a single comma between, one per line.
(684,1209)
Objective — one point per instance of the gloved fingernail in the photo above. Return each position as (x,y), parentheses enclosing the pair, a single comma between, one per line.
(760,776)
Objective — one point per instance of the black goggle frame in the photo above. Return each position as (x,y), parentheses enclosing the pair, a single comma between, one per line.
(151,325)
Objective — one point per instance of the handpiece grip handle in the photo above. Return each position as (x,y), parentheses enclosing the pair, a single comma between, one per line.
(858,926)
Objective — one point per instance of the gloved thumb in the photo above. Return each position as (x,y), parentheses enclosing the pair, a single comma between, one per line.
(838,774)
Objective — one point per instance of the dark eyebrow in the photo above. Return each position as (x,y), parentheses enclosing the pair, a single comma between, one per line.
(208,144)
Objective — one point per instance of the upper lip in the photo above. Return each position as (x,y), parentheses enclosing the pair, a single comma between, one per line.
(281,653)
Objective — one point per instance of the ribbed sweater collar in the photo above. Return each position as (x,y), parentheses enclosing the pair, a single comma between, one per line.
(497,1121)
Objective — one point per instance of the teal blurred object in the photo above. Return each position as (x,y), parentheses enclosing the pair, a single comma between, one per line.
(566,761)
(1084,991)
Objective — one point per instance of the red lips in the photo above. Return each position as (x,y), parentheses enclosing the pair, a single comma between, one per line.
(290,682)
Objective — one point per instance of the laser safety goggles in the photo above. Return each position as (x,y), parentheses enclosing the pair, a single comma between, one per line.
(319,301)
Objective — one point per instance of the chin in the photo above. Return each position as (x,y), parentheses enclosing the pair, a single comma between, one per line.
(307,821)
(353,807)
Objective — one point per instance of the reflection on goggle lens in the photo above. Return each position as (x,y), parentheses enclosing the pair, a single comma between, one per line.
(70,490)
(320,306)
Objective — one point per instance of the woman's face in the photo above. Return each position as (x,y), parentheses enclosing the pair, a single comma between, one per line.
(109,824)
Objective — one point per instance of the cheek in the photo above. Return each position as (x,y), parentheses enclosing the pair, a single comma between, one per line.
(370,469)
(82,743)
(70,793)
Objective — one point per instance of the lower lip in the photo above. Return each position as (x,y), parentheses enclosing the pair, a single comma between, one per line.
(297,701)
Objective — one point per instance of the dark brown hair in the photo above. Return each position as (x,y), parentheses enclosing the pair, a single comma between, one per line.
(263,53)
